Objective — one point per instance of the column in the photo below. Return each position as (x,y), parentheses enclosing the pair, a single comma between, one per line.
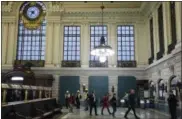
(112,41)
(55,87)
(156,34)
(136,39)
(56,47)
(149,39)
(10,46)
(113,81)
(61,43)
(40,93)
(167,26)
(26,95)
(178,23)
(140,39)
(4,42)
(49,42)
(4,96)
(157,90)
(85,45)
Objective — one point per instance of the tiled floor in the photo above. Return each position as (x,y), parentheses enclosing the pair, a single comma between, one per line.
(143,114)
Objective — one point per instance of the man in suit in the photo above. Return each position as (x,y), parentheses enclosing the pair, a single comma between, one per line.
(173,103)
(113,103)
(131,103)
(78,97)
(93,101)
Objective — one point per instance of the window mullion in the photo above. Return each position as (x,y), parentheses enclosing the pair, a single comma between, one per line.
(31,45)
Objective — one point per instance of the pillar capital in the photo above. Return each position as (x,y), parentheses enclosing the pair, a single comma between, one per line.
(9,19)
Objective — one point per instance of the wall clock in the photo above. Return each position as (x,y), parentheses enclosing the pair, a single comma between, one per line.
(32,15)
(33,12)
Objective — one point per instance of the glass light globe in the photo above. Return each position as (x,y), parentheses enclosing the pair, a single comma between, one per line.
(102,51)
(17,78)
(102,59)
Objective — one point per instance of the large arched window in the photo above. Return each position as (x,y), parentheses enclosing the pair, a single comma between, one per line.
(173,85)
(31,34)
(171,46)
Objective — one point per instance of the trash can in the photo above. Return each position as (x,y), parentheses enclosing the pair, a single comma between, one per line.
(142,104)
(122,101)
(147,103)
(151,105)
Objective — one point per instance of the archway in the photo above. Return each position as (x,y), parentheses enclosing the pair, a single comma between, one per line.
(161,89)
(152,89)
(173,81)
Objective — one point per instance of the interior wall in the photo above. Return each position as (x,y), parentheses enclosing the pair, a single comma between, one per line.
(99,85)
(162,68)
(68,83)
(57,17)
(125,83)
(56,20)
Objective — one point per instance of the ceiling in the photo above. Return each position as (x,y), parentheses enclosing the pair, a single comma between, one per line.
(88,6)
(108,4)
(91,4)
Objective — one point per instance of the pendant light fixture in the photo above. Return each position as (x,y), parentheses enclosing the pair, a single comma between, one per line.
(103,50)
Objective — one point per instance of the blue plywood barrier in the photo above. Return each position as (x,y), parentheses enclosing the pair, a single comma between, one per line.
(99,84)
(125,83)
(71,83)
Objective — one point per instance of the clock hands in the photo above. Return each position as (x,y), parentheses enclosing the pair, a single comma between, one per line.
(32,12)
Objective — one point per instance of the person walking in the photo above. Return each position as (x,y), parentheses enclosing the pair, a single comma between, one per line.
(71,102)
(126,99)
(93,101)
(86,99)
(131,103)
(113,103)
(172,102)
(78,97)
(67,96)
(105,104)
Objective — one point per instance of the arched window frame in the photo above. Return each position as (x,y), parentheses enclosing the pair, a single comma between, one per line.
(173,85)
(31,42)
(152,89)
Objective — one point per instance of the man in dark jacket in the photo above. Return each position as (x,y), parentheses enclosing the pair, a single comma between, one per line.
(172,101)
(78,97)
(113,103)
(92,101)
(131,103)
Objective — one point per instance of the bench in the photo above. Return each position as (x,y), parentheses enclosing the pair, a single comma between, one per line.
(36,109)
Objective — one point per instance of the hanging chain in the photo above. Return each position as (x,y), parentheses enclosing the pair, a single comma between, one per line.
(102,7)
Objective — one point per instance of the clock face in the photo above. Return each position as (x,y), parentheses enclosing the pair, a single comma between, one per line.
(33,12)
